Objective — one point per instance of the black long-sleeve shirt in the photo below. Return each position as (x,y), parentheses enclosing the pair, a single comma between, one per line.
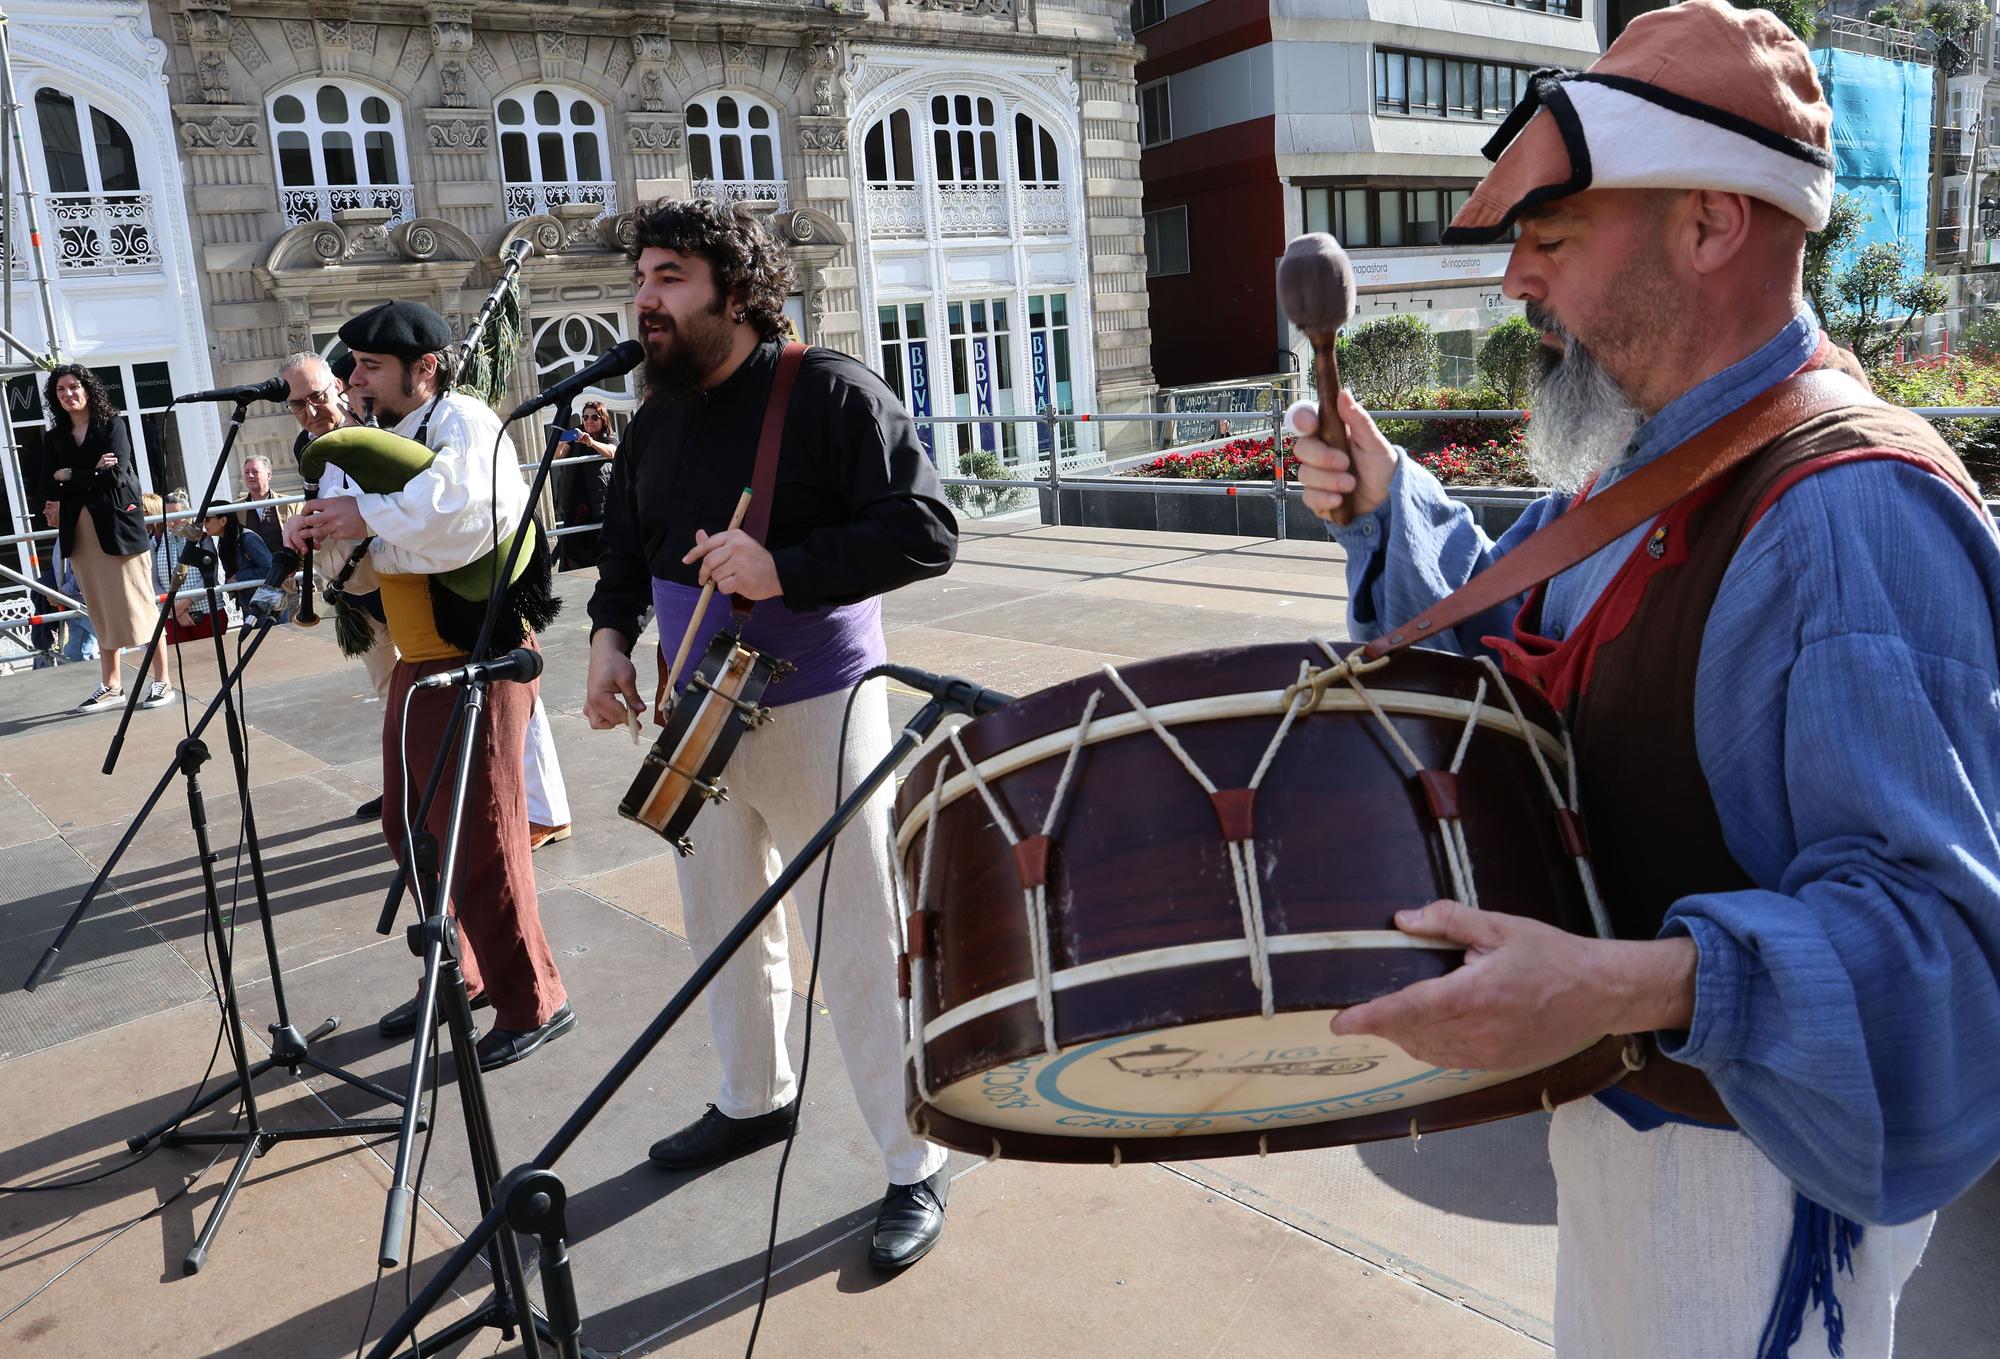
(856,511)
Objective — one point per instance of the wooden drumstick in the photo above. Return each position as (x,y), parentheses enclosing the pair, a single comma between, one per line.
(1316,289)
(700,608)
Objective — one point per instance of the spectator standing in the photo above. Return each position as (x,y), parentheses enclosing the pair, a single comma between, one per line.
(91,484)
(584,484)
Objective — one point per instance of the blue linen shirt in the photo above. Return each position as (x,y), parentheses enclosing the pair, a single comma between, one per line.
(1847,718)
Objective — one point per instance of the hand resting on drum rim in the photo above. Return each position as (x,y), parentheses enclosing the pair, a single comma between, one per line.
(1528,993)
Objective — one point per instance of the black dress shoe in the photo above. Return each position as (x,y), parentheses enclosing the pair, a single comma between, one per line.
(715,1137)
(911,1221)
(371,810)
(504,1047)
(401,1022)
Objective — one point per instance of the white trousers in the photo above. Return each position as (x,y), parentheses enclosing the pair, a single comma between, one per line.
(548,799)
(1669,1245)
(780,782)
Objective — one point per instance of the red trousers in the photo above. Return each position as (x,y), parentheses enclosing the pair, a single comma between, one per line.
(503,951)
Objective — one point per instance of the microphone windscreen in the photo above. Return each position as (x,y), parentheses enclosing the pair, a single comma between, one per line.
(1316,283)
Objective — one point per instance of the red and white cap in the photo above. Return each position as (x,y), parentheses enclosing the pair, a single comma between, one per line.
(1700,95)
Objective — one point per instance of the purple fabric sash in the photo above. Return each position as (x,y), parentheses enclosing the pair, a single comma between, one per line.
(830,649)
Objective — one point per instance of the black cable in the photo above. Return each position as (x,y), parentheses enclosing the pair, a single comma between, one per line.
(805,1054)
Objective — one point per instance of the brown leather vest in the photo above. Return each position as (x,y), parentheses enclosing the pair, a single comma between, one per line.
(1626,680)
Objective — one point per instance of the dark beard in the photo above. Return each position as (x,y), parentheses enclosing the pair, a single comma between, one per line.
(697,351)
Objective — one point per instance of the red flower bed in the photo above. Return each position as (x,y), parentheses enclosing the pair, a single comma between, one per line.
(1496,462)
(1244,459)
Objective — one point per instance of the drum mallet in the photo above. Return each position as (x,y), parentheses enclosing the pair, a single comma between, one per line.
(1316,289)
(700,608)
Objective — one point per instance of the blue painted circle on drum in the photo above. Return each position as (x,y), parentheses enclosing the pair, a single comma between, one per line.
(1046,1085)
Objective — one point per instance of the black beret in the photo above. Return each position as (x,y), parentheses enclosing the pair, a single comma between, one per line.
(408,330)
(343,368)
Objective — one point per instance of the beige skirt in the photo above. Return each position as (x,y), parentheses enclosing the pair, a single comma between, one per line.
(118,590)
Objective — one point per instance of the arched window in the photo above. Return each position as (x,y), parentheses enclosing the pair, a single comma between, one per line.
(963,136)
(568,342)
(103,222)
(733,150)
(888,154)
(339,145)
(1038,170)
(552,151)
(1035,154)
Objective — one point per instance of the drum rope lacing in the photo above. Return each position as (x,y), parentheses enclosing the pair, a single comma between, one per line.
(1242,852)
(1035,897)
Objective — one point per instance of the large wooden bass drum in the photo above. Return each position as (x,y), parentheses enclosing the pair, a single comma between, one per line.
(1135,900)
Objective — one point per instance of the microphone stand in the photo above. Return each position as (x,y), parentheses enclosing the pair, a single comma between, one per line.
(290,1049)
(531,1198)
(434,938)
(252,1135)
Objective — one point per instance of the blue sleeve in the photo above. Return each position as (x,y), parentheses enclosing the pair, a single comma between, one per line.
(1847,706)
(1418,547)
(256,555)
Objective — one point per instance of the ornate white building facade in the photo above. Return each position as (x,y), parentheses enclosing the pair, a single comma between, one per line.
(338,154)
(118,255)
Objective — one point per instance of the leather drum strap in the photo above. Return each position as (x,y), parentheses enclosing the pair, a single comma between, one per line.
(1603,519)
(765,477)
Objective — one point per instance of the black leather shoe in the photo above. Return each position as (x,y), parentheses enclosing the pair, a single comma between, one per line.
(401,1022)
(911,1221)
(504,1047)
(715,1137)
(371,810)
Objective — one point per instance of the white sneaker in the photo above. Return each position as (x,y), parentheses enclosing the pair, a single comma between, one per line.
(157,693)
(104,696)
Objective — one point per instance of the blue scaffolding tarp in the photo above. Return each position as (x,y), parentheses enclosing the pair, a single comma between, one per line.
(1881,143)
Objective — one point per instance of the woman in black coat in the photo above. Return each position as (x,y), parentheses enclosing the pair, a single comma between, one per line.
(89,473)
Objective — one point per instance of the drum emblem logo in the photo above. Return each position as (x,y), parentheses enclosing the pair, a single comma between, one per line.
(1177,1063)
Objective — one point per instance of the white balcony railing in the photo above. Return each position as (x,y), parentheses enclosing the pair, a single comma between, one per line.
(528,200)
(972,210)
(895,210)
(752,191)
(1044,211)
(319,205)
(88,234)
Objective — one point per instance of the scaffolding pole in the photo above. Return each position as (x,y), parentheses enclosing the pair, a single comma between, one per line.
(17,191)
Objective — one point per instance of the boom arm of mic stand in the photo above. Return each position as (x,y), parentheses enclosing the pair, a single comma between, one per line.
(914,734)
(48,959)
(167,607)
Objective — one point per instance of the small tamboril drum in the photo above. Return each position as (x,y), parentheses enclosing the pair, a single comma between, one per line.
(684,768)
(1131,920)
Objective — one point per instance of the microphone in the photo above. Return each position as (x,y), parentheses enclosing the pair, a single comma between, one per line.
(617,361)
(268,600)
(271,389)
(519,665)
(949,690)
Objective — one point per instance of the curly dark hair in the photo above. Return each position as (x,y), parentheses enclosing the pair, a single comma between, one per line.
(100,410)
(750,265)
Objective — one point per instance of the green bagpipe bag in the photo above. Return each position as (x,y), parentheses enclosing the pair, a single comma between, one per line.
(382,463)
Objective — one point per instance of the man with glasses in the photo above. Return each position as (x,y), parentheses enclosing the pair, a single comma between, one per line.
(319,403)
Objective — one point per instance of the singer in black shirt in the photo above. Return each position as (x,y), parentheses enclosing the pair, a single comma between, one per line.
(855,511)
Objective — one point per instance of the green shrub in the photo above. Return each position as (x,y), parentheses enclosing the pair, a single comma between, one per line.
(979,501)
(1390,361)
(1508,357)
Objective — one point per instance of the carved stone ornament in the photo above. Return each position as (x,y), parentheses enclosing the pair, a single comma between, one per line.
(822,52)
(299,337)
(208,22)
(823,96)
(653,92)
(211,72)
(451,77)
(220,134)
(651,46)
(460,135)
(451,29)
(335,33)
(654,136)
(833,138)
(997,9)
(737,53)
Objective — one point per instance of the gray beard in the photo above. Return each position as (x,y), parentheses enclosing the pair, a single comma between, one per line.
(1582,420)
